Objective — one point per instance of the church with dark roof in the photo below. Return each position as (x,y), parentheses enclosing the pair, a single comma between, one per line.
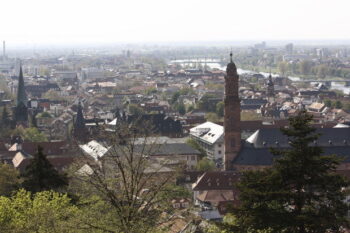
(254,152)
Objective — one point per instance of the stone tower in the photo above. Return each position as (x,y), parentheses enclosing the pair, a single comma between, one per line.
(232,118)
(21,109)
(79,130)
(270,89)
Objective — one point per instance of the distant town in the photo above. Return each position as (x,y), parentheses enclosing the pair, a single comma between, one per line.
(164,131)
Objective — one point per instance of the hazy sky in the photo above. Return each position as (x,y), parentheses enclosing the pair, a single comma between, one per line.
(98,21)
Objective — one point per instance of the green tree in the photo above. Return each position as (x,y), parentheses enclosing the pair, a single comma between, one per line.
(328,102)
(212,116)
(40,175)
(206,104)
(5,123)
(250,116)
(131,193)
(34,135)
(322,71)
(194,144)
(220,109)
(151,90)
(5,118)
(175,97)
(43,212)
(205,164)
(338,104)
(190,108)
(283,67)
(29,134)
(230,224)
(9,180)
(300,193)
(181,108)
(134,109)
(305,67)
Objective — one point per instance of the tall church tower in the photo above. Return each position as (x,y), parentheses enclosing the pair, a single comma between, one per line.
(232,118)
(21,109)
(270,89)
(79,131)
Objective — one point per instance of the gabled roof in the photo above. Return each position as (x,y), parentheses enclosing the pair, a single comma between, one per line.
(49,148)
(216,180)
(272,137)
(263,157)
(217,196)
(21,160)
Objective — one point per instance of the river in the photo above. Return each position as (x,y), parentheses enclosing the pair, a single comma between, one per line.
(216,65)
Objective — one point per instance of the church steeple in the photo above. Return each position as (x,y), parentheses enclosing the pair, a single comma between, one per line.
(232,116)
(21,93)
(79,131)
(21,109)
(270,88)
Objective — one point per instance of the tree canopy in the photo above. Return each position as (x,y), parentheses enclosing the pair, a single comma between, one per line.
(300,193)
(46,211)
(40,175)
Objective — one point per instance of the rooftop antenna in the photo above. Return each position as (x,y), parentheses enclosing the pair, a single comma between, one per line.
(231,56)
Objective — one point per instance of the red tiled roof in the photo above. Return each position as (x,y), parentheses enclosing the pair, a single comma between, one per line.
(217,196)
(216,180)
(49,148)
(58,162)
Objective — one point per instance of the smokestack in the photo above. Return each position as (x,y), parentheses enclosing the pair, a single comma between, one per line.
(3,50)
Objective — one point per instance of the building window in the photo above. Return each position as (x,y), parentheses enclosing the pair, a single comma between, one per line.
(193,157)
(219,152)
(219,145)
(233,143)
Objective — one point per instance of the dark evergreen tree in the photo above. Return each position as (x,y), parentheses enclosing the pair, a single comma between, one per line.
(40,175)
(5,118)
(300,193)
(5,123)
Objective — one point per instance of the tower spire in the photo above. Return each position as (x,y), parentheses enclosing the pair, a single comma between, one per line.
(270,89)
(232,117)
(79,131)
(21,93)
(21,109)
